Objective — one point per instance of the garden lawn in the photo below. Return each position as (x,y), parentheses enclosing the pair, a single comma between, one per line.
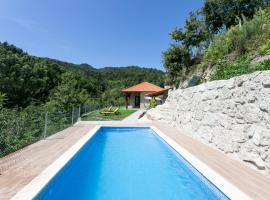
(97,116)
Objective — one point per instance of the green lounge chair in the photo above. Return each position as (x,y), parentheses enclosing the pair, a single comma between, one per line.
(106,110)
(116,112)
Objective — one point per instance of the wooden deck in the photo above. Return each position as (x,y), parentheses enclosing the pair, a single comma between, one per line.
(18,169)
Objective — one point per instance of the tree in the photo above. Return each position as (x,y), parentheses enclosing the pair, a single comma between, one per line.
(189,45)
(29,80)
(176,60)
(3,98)
(68,93)
(222,14)
(195,34)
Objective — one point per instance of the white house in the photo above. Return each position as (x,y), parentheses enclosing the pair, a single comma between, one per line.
(138,96)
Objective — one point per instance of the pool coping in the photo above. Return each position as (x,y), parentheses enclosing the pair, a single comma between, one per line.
(40,181)
(215,178)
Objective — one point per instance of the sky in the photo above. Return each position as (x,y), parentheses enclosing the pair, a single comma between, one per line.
(98,32)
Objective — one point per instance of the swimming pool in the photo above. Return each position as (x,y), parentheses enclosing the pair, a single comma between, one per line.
(128,163)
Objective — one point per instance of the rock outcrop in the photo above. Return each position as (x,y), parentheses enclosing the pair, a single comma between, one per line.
(230,115)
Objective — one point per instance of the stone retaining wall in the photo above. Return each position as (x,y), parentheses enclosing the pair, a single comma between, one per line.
(231,115)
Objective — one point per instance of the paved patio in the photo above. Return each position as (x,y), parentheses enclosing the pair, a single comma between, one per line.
(19,168)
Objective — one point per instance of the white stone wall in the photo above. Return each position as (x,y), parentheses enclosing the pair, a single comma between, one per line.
(231,115)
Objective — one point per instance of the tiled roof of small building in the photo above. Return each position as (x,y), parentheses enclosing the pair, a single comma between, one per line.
(143,87)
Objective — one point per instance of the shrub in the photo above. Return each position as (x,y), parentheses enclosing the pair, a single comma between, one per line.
(153,102)
(265,48)
(220,47)
(265,65)
(3,98)
(226,69)
(246,36)
(21,127)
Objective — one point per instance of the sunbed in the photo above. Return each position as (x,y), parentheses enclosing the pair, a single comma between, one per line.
(115,111)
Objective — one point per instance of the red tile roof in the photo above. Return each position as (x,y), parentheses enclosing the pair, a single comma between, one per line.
(143,87)
(154,94)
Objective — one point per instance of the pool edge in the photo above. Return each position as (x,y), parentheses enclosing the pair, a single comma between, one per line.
(215,178)
(39,182)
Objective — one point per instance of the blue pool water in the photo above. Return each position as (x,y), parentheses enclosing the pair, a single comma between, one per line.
(128,164)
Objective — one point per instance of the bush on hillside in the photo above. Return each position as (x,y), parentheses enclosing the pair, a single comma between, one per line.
(245,37)
(226,69)
(20,128)
(265,65)
(265,48)
(3,98)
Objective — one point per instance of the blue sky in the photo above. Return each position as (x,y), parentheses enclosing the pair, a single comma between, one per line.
(98,32)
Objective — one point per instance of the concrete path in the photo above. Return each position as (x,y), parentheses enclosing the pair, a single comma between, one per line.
(133,118)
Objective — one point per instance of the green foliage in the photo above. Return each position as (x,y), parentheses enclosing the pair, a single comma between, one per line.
(265,65)
(30,80)
(220,14)
(153,102)
(176,60)
(118,78)
(3,98)
(245,37)
(265,48)
(226,69)
(26,79)
(69,93)
(31,86)
(195,34)
(218,49)
(19,128)
(202,26)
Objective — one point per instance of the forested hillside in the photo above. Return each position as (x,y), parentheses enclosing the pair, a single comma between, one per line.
(224,38)
(27,80)
(31,86)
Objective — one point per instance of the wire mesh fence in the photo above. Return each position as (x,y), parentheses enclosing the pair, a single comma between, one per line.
(21,128)
(56,121)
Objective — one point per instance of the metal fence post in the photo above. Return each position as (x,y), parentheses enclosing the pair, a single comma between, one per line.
(72,116)
(79,114)
(45,125)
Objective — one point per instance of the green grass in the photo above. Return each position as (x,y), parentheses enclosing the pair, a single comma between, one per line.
(97,116)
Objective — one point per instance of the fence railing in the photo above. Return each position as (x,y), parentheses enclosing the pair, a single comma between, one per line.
(21,128)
